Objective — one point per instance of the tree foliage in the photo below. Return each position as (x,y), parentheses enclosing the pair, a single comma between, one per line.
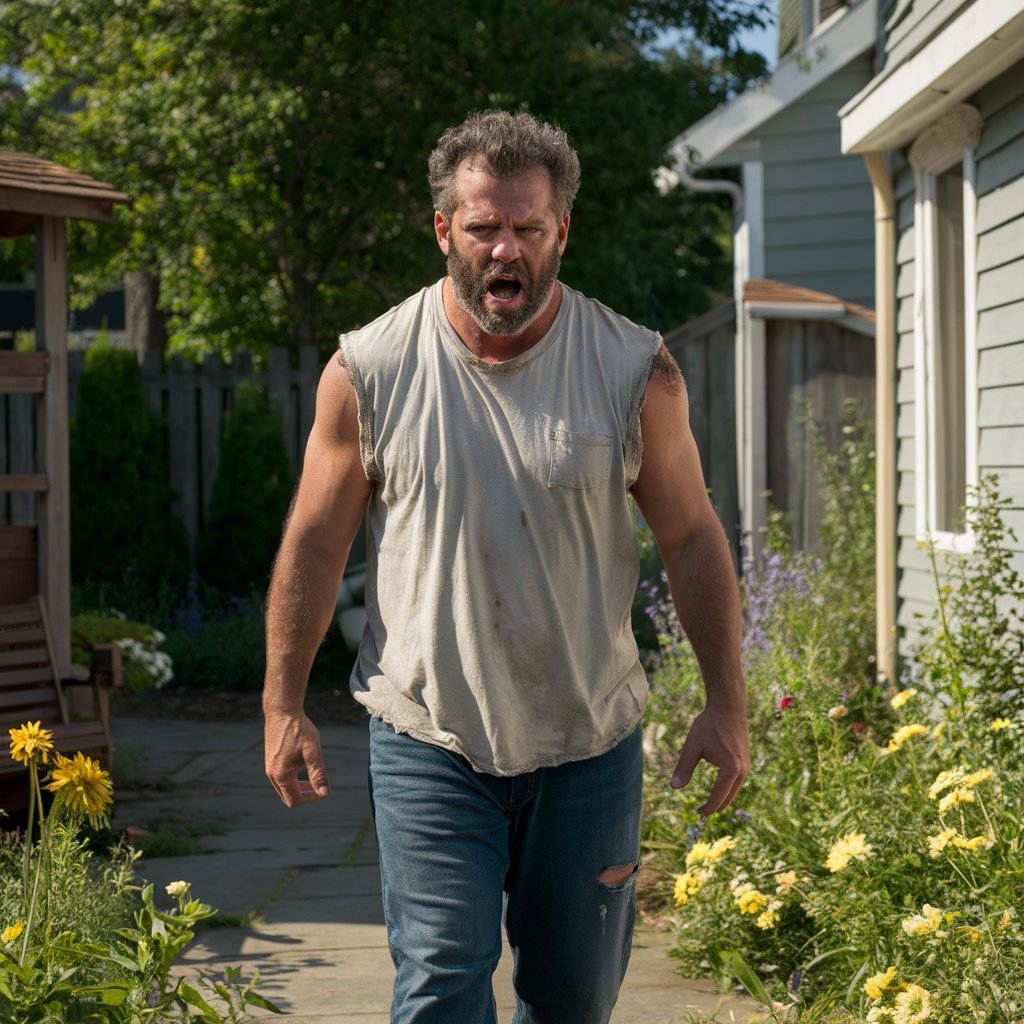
(121,522)
(249,499)
(276,149)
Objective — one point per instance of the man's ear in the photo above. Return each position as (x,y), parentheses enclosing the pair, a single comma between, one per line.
(563,234)
(441,232)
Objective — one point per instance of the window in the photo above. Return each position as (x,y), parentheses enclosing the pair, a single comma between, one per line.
(945,356)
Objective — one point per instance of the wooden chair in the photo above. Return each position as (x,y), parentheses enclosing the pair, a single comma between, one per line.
(31,690)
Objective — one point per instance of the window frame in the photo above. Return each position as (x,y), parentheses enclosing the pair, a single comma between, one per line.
(927,402)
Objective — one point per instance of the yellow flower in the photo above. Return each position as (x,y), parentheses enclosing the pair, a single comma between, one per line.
(83,785)
(769,917)
(921,924)
(877,1013)
(31,743)
(850,847)
(913,1005)
(839,711)
(12,931)
(1004,922)
(972,933)
(1000,723)
(177,888)
(956,796)
(878,983)
(970,845)
(900,736)
(707,853)
(938,731)
(976,778)
(749,900)
(936,844)
(945,779)
(902,697)
(686,886)
(785,881)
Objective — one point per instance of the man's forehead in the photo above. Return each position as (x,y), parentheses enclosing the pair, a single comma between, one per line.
(476,181)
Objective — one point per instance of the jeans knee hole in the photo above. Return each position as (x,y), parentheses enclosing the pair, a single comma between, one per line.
(618,879)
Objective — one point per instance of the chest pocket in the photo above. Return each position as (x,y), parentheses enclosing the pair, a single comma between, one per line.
(580,460)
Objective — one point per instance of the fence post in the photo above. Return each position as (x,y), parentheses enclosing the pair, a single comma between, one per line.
(183,443)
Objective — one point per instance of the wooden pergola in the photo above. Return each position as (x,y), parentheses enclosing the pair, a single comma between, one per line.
(36,198)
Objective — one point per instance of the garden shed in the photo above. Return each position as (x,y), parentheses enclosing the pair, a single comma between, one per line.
(37,197)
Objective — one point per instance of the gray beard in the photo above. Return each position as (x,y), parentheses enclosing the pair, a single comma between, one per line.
(470,291)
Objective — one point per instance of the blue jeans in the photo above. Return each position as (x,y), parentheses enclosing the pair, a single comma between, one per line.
(458,847)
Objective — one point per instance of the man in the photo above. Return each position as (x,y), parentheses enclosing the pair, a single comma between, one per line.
(494,425)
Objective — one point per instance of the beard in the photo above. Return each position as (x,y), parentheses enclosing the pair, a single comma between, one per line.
(470,289)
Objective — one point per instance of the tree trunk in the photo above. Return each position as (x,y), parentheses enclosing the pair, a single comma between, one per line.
(145,325)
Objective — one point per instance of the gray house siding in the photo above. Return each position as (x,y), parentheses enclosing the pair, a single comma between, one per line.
(1000,324)
(1000,188)
(818,212)
(909,24)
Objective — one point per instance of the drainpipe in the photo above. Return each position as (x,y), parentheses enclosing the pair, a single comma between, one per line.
(885,416)
(744,395)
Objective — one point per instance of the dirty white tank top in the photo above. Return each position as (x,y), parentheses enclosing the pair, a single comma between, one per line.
(502,557)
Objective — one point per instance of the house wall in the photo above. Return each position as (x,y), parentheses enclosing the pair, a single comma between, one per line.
(908,24)
(1000,309)
(818,207)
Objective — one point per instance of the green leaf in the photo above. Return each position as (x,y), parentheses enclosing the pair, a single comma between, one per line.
(193,998)
(744,974)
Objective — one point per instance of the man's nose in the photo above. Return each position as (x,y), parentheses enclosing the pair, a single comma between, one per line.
(506,248)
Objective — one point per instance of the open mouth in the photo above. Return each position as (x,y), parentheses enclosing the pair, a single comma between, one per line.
(504,288)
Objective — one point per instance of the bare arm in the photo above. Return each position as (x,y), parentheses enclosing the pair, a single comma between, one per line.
(671,495)
(325,515)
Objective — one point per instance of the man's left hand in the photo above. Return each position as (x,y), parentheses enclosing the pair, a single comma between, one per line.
(720,738)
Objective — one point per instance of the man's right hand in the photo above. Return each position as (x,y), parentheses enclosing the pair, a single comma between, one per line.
(291,744)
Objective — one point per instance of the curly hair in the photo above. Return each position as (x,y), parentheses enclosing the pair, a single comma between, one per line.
(511,144)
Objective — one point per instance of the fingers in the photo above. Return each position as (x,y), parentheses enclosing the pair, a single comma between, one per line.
(292,747)
(723,744)
(686,764)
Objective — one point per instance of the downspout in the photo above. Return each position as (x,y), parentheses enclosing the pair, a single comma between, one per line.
(741,274)
(885,416)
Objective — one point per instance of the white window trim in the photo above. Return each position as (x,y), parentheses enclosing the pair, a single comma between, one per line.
(925,403)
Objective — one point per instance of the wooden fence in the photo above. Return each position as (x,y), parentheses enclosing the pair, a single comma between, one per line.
(193,401)
(811,367)
(705,349)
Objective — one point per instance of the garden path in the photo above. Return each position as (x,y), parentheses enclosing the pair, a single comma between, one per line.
(299,890)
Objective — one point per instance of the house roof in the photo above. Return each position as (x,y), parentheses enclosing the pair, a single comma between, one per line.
(776,300)
(980,43)
(714,140)
(31,186)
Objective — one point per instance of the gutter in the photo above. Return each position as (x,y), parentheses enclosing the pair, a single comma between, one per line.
(748,408)
(885,416)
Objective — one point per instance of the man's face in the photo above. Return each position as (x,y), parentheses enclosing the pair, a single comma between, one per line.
(504,244)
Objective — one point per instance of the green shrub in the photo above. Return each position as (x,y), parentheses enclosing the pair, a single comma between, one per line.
(146,666)
(122,526)
(871,865)
(250,497)
(79,941)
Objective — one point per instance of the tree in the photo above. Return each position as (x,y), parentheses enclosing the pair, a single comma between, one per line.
(122,528)
(250,497)
(276,149)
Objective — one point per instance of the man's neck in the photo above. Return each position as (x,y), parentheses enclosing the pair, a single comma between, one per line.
(497,348)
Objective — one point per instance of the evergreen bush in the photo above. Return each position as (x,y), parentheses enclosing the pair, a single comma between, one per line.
(250,497)
(122,526)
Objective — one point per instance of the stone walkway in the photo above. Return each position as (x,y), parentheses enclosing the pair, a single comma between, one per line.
(299,890)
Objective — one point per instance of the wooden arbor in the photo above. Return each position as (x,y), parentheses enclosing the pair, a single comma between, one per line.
(36,198)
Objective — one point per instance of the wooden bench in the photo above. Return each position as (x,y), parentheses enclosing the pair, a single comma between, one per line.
(31,690)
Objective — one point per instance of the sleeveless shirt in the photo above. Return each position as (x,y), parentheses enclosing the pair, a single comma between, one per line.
(502,556)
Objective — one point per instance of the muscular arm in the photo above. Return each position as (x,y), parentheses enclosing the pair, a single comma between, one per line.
(326,513)
(670,493)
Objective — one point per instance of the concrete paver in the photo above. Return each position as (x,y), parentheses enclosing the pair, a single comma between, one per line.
(299,890)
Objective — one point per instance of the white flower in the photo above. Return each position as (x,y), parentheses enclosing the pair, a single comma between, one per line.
(177,889)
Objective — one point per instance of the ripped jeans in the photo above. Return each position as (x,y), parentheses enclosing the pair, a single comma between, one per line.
(554,851)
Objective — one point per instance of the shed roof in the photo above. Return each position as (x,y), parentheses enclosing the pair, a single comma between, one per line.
(776,300)
(31,186)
